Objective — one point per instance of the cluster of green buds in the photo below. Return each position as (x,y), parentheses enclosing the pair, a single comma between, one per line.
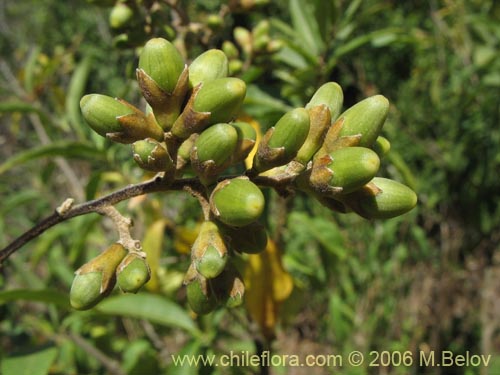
(250,45)
(335,156)
(114,266)
(190,127)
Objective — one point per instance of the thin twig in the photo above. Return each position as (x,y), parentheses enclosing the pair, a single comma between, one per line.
(112,366)
(154,185)
(123,225)
(67,211)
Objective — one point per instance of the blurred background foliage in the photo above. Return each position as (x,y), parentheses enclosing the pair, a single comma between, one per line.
(429,280)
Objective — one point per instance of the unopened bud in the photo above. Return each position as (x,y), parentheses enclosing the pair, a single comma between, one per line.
(209,252)
(208,66)
(150,154)
(96,279)
(348,168)
(161,61)
(382,198)
(281,143)
(132,273)
(237,202)
(331,95)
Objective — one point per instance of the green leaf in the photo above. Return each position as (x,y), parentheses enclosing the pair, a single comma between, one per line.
(15,106)
(259,104)
(40,295)
(306,26)
(66,149)
(151,307)
(35,363)
(75,92)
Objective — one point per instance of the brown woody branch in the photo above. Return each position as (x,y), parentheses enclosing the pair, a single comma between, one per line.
(151,186)
(67,211)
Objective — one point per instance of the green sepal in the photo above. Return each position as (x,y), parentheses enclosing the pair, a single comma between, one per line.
(150,155)
(319,123)
(166,105)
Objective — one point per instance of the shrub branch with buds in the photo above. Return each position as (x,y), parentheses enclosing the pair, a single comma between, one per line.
(191,126)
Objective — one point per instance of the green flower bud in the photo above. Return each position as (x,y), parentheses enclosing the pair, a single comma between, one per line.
(244,39)
(348,168)
(230,50)
(214,21)
(161,61)
(246,140)
(132,273)
(275,45)
(213,150)
(237,202)
(216,101)
(229,287)
(209,252)
(250,239)
(121,16)
(331,95)
(101,112)
(235,66)
(382,198)
(149,154)
(222,98)
(381,146)
(200,292)
(262,28)
(366,118)
(96,279)
(200,297)
(260,43)
(208,66)
(86,290)
(117,119)
(281,143)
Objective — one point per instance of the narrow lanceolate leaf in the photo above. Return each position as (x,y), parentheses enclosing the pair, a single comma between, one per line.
(156,309)
(32,363)
(76,150)
(45,296)
(306,25)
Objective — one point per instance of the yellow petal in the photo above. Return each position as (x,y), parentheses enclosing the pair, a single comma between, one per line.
(152,245)
(258,132)
(267,285)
